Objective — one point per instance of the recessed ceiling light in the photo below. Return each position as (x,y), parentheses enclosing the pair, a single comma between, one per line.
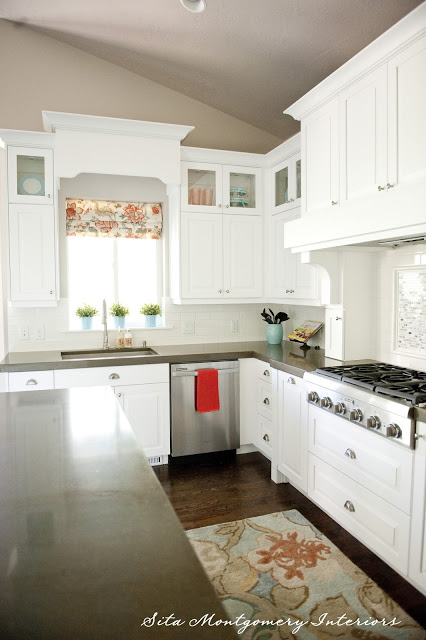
(196,6)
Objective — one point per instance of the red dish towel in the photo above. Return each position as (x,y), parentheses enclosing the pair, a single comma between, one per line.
(207,390)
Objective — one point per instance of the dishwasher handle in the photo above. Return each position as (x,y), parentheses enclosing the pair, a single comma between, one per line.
(194,374)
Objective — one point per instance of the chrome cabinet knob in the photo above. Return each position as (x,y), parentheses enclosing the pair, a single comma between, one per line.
(380,188)
(219,205)
(51,292)
(48,195)
(393,431)
(227,291)
(349,506)
(355,415)
(373,422)
(266,437)
(338,317)
(266,373)
(31,382)
(313,397)
(227,206)
(119,395)
(220,290)
(266,401)
(291,380)
(333,203)
(326,403)
(390,186)
(114,376)
(349,453)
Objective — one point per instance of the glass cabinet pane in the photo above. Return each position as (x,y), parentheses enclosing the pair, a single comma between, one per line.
(281,187)
(202,187)
(298,179)
(242,190)
(30,175)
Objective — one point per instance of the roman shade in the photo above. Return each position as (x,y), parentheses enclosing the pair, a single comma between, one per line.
(111,219)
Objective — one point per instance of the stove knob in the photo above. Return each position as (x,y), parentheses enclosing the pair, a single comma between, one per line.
(393,431)
(340,408)
(373,422)
(326,403)
(313,397)
(355,415)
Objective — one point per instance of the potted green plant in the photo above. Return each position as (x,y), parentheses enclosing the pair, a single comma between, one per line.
(274,330)
(119,314)
(85,312)
(151,313)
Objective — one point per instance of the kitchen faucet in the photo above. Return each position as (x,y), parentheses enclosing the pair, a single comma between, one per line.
(104,322)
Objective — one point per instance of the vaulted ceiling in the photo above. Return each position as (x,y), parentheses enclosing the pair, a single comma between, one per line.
(248,58)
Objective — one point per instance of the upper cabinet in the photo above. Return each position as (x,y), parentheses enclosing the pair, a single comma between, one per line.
(216,188)
(30,175)
(286,187)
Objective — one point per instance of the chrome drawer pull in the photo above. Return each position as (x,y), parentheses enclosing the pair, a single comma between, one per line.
(114,376)
(32,381)
(349,506)
(266,373)
(266,401)
(350,454)
(266,437)
(291,381)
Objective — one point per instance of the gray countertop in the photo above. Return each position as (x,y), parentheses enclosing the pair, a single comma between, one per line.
(287,356)
(89,543)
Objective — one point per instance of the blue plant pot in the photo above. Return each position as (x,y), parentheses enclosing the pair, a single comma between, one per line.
(119,322)
(274,333)
(151,321)
(86,323)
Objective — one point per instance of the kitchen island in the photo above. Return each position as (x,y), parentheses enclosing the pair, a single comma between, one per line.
(90,545)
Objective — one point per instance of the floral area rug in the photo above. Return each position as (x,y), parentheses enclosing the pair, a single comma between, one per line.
(278,577)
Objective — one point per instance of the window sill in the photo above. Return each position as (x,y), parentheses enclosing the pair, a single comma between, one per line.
(96,330)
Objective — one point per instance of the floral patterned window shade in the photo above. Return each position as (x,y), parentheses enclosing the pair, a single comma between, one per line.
(110,219)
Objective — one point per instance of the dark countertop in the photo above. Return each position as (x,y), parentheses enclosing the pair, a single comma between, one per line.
(89,543)
(287,356)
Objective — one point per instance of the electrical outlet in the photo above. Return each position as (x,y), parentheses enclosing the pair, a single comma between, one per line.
(39,333)
(234,326)
(24,332)
(188,326)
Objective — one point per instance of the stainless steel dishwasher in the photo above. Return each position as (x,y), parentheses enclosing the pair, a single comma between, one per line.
(194,432)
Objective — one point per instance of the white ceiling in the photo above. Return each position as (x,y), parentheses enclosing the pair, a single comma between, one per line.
(248,58)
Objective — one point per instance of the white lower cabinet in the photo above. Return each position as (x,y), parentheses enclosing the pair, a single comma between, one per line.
(334,333)
(290,421)
(417,567)
(376,523)
(146,407)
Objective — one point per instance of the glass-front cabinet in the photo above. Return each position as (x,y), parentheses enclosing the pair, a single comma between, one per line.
(214,188)
(287,184)
(30,175)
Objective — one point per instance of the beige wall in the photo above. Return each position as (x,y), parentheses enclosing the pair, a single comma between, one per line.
(38,72)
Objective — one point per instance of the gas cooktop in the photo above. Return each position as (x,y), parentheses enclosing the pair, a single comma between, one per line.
(382,378)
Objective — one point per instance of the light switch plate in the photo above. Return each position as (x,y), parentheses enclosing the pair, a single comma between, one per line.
(188,326)
(39,333)
(234,326)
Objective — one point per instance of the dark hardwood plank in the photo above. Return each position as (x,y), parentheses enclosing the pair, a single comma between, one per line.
(215,488)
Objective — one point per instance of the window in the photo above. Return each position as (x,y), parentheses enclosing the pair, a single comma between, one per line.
(124,270)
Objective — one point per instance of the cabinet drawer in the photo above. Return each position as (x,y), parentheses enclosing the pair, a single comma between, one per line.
(264,399)
(30,380)
(264,435)
(381,466)
(375,522)
(111,376)
(264,371)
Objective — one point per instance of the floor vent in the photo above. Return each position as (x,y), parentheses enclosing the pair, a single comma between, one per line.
(154,460)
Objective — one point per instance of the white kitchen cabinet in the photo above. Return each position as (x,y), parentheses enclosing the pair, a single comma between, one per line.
(242,256)
(221,256)
(407,108)
(291,427)
(31,380)
(30,175)
(334,333)
(32,253)
(363,136)
(286,186)
(201,255)
(216,188)
(320,158)
(147,409)
(417,564)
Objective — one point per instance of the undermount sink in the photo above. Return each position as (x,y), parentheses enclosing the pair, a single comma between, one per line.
(107,353)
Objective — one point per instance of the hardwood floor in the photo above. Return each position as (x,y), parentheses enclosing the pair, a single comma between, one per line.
(207,490)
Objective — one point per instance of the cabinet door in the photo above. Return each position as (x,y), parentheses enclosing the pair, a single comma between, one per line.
(286,185)
(407,108)
(320,158)
(147,409)
(334,345)
(242,248)
(201,187)
(242,190)
(292,430)
(32,254)
(417,566)
(363,136)
(30,175)
(201,260)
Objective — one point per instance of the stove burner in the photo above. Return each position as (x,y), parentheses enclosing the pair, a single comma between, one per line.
(382,378)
